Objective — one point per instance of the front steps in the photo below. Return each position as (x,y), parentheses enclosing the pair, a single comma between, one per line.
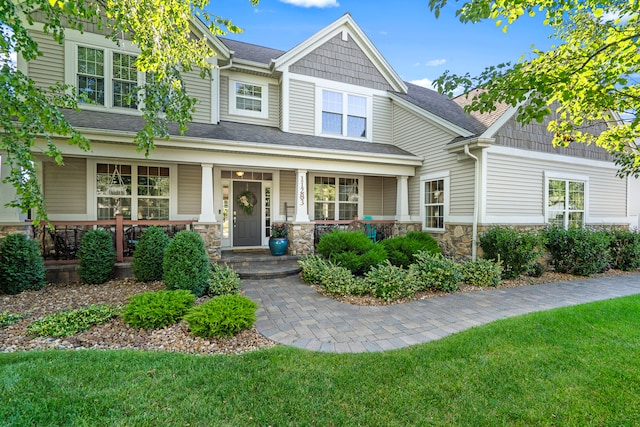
(260,264)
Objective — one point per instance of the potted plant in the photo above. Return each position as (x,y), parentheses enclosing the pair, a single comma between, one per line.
(278,241)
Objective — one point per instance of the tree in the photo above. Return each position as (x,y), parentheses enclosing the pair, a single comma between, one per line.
(159,28)
(590,76)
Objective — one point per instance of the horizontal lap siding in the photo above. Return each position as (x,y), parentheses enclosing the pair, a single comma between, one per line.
(373,195)
(189,189)
(47,70)
(382,126)
(287,191)
(301,107)
(273,100)
(516,186)
(201,89)
(65,187)
(389,189)
(462,187)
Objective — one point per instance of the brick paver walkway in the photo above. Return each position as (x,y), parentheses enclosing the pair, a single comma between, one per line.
(293,313)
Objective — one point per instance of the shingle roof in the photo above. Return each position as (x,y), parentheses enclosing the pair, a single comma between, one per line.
(488,118)
(252,52)
(230,131)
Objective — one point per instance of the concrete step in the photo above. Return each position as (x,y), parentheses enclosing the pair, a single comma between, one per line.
(260,265)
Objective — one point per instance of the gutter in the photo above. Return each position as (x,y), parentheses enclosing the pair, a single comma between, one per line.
(476,202)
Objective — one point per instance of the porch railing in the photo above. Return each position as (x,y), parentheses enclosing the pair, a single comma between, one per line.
(376,230)
(61,241)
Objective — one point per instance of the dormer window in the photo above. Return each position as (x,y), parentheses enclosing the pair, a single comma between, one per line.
(248,99)
(344,114)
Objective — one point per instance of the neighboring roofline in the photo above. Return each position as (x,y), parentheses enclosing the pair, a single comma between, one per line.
(224,50)
(437,120)
(322,36)
(502,120)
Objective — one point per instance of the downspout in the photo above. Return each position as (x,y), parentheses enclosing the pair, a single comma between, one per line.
(476,202)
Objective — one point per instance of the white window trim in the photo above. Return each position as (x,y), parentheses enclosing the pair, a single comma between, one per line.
(312,201)
(71,73)
(345,90)
(566,176)
(447,196)
(264,114)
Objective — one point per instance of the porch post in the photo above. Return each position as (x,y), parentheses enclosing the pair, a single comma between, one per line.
(402,199)
(206,197)
(8,193)
(302,204)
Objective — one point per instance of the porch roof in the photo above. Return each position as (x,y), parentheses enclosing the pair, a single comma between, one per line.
(231,131)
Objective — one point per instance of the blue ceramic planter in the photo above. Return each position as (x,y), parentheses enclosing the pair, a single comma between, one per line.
(278,245)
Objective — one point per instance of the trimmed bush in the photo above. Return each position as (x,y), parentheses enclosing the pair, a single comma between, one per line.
(21,264)
(71,322)
(96,257)
(400,250)
(149,254)
(186,264)
(155,310)
(338,280)
(482,272)
(313,268)
(223,280)
(625,250)
(435,272)
(352,250)
(578,250)
(222,316)
(390,282)
(517,250)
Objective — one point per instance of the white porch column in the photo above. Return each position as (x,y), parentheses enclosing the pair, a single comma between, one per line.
(302,199)
(207,213)
(402,199)
(8,194)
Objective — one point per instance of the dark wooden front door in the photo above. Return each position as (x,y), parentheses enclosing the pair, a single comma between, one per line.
(247,226)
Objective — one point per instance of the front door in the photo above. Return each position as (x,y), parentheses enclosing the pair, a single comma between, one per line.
(247,209)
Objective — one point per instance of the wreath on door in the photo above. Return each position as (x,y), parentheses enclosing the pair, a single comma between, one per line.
(246,201)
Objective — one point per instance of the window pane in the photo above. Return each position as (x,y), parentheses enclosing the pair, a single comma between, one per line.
(153,181)
(331,123)
(348,190)
(108,207)
(556,218)
(434,191)
(325,211)
(356,127)
(92,88)
(576,219)
(357,106)
(113,180)
(434,203)
(153,208)
(576,195)
(332,102)
(557,192)
(248,104)
(348,211)
(435,216)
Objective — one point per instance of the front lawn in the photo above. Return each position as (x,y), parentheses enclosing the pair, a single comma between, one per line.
(571,366)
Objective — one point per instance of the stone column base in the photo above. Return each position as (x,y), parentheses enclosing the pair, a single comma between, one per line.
(300,236)
(211,233)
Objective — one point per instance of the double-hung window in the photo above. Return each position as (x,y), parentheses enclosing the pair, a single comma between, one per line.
(335,198)
(248,99)
(434,198)
(566,202)
(344,114)
(106,77)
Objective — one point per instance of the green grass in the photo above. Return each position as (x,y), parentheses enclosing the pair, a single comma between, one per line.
(573,366)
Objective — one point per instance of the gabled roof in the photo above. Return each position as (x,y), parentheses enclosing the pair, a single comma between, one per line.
(344,24)
(252,52)
(443,107)
(487,118)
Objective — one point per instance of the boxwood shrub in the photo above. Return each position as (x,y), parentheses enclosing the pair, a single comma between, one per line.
(148,255)
(390,282)
(352,250)
(21,264)
(313,268)
(222,316)
(517,250)
(400,250)
(155,310)
(435,272)
(482,272)
(578,250)
(223,280)
(96,257)
(625,250)
(186,264)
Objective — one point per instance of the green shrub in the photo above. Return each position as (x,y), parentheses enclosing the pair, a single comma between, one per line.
(7,318)
(578,250)
(149,254)
(390,282)
(96,257)
(352,250)
(537,269)
(223,280)
(71,322)
(515,249)
(222,316)
(435,272)
(313,268)
(186,264)
(21,264)
(338,280)
(482,272)
(155,310)
(400,250)
(625,250)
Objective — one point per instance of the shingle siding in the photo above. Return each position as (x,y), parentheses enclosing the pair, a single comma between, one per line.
(341,61)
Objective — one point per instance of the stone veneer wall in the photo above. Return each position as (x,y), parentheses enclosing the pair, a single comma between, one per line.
(300,237)
(12,228)
(211,233)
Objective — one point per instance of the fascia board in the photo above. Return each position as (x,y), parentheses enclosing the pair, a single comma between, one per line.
(221,47)
(436,120)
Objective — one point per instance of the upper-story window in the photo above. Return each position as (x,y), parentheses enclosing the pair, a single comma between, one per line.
(248,99)
(106,77)
(344,114)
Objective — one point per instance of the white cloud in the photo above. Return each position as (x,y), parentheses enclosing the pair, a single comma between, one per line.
(313,3)
(424,83)
(613,15)
(435,62)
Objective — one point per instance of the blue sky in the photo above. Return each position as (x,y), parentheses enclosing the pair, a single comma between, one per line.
(416,44)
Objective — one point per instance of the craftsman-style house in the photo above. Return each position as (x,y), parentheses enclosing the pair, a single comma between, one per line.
(314,136)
